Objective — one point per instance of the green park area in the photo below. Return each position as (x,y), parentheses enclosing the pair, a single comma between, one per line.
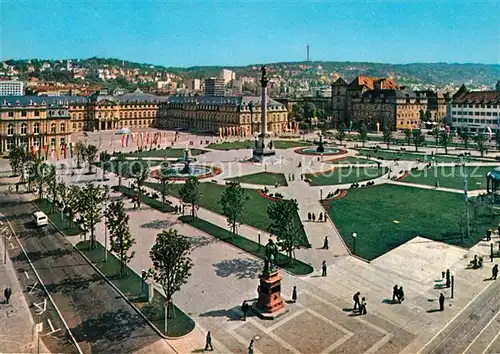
(255,210)
(386,216)
(151,199)
(352,160)
(343,175)
(250,144)
(65,224)
(451,176)
(384,154)
(262,178)
(168,153)
(130,284)
(295,267)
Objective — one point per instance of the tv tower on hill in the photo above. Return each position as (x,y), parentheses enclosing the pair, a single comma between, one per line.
(307,50)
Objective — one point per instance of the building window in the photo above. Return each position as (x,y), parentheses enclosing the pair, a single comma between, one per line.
(36,128)
(53,128)
(62,128)
(10,114)
(10,130)
(53,142)
(63,142)
(24,129)
(24,114)
(10,144)
(37,113)
(74,125)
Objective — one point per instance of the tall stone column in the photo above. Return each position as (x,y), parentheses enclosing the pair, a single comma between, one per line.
(262,147)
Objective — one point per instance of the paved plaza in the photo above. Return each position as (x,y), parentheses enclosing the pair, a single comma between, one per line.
(322,320)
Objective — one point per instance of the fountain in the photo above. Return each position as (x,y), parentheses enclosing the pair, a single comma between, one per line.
(183,169)
(321,149)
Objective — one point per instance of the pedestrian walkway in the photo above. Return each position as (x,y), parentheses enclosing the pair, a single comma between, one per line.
(17,332)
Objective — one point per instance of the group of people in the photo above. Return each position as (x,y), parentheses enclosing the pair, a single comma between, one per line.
(322,217)
(359,306)
(398,294)
(178,209)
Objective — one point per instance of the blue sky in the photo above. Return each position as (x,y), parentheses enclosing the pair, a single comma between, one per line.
(188,33)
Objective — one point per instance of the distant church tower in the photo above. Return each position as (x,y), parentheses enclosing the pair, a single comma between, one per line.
(497,86)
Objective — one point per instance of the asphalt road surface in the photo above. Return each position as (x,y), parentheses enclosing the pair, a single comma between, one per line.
(475,330)
(100,320)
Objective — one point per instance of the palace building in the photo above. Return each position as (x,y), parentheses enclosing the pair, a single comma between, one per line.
(221,115)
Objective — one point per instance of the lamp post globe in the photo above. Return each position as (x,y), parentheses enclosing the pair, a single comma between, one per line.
(354,235)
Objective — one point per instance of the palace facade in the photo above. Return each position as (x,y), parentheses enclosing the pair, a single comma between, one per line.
(221,115)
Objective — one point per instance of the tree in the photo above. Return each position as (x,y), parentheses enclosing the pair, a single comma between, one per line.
(190,193)
(232,202)
(436,131)
(62,196)
(422,115)
(90,156)
(464,135)
(418,138)
(285,225)
(387,133)
(139,172)
(89,206)
(80,149)
(120,237)
(340,134)
(480,139)
(497,139)
(39,171)
(171,264)
(428,115)
(51,182)
(105,159)
(17,156)
(444,139)
(120,162)
(363,134)
(407,133)
(72,202)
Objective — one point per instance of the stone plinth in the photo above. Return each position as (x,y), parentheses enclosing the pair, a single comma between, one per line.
(269,305)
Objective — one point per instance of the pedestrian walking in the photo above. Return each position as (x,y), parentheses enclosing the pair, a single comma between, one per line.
(314,217)
(17,188)
(324,217)
(208,342)
(401,294)
(357,304)
(244,309)
(448,278)
(494,272)
(323,269)
(325,243)
(320,218)
(250,347)
(309,216)
(395,293)
(294,294)
(176,209)
(7,293)
(441,302)
(362,308)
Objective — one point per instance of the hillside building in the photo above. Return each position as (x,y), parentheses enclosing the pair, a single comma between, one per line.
(214,87)
(11,88)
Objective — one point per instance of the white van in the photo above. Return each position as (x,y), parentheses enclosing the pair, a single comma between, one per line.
(40,219)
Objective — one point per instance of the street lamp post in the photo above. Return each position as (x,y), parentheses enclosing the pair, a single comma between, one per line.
(354,235)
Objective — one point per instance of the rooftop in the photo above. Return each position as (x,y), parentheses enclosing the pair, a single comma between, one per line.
(478,97)
(40,100)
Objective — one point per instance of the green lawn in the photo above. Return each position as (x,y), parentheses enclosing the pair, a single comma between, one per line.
(410,156)
(451,176)
(264,178)
(130,285)
(352,160)
(250,144)
(255,213)
(297,267)
(164,153)
(126,170)
(69,228)
(387,216)
(342,175)
(145,199)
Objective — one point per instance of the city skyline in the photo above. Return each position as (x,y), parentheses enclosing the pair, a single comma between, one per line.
(240,34)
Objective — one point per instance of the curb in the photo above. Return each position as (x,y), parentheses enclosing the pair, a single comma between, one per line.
(115,288)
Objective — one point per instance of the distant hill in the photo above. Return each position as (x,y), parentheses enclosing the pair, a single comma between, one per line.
(321,71)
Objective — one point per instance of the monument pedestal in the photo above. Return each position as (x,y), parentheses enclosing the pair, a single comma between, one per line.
(269,305)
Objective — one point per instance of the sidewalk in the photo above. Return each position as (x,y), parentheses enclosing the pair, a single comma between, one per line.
(17,332)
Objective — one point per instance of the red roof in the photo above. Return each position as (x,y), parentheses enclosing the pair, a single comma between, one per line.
(478,97)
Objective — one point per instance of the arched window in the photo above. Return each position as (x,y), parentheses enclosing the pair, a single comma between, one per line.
(24,129)
(36,128)
(62,128)
(53,142)
(10,130)
(53,127)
